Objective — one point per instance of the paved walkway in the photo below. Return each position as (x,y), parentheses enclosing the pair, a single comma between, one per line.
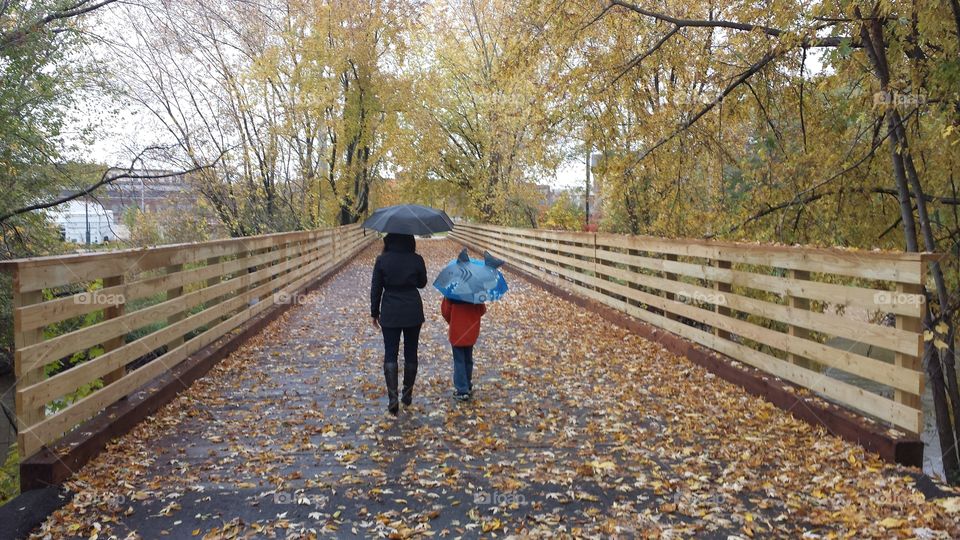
(579,428)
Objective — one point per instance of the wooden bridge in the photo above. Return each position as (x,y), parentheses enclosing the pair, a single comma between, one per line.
(627,386)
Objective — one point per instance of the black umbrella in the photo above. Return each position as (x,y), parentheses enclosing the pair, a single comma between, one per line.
(409,219)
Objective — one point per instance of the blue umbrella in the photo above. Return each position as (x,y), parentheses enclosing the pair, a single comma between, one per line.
(471,280)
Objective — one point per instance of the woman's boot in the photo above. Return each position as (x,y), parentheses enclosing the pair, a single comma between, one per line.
(390,371)
(409,377)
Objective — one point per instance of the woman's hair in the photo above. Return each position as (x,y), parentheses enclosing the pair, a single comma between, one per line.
(399,243)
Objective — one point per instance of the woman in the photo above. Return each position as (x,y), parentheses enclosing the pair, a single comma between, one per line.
(396,309)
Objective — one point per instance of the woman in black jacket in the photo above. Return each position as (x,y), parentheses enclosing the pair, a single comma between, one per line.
(396,309)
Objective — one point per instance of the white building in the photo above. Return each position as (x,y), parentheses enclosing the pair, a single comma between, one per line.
(76,217)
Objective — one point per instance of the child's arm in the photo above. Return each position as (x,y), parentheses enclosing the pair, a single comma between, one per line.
(445,309)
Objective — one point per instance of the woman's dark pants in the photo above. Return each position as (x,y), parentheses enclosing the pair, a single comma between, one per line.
(391,353)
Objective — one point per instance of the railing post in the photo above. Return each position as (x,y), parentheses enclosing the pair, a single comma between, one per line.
(240,290)
(720,288)
(798,303)
(213,281)
(113,312)
(670,257)
(174,293)
(26,416)
(911,324)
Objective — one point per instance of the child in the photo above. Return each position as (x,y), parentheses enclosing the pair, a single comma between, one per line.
(464,321)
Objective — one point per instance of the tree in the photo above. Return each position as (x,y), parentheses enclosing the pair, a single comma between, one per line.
(481,126)
(299,99)
(714,122)
(564,214)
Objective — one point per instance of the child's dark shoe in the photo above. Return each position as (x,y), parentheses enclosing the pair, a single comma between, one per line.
(461,397)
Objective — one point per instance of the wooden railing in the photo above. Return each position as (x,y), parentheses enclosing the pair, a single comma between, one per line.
(791,312)
(129,316)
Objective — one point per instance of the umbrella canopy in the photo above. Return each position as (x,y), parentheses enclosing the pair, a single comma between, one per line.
(472,280)
(409,219)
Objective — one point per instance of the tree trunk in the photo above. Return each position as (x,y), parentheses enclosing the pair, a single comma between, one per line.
(905,176)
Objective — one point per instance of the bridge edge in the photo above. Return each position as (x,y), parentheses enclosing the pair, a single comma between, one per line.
(51,466)
(837,420)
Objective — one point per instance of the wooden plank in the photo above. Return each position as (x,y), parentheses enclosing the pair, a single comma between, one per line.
(560,236)
(59,309)
(34,393)
(669,276)
(830,324)
(846,258)
(60,346)
(898,414)
(67,381)
(888,410)
(722,289)
(113,312)
(863,366)
(835,294)
(47,272)
(549,245)
(794,330)
(27,415)
(910,361)
(53,427)
(174,293)
(892,339)
(864,264)
(213,281)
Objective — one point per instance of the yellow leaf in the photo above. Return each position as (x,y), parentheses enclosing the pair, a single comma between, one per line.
(492,525)
(892,523)
(950,504)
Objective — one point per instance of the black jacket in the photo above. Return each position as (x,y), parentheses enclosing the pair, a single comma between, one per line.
(394,297)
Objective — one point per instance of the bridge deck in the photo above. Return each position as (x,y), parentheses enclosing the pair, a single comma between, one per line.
(577,426)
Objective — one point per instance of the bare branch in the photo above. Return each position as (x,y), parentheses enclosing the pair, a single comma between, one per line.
(105,179)
(807,41)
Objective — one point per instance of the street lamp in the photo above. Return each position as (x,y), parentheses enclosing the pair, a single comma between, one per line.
(593,158)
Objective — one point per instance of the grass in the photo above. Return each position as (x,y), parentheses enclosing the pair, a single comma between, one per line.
(10,476)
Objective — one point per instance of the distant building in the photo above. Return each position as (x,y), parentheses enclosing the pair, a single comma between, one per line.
(150,191)
(77,217)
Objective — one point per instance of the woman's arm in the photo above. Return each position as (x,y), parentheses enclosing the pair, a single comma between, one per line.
(421,274)
(376,289)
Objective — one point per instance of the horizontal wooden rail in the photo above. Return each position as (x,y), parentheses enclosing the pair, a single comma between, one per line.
(790,311)
(133,315)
